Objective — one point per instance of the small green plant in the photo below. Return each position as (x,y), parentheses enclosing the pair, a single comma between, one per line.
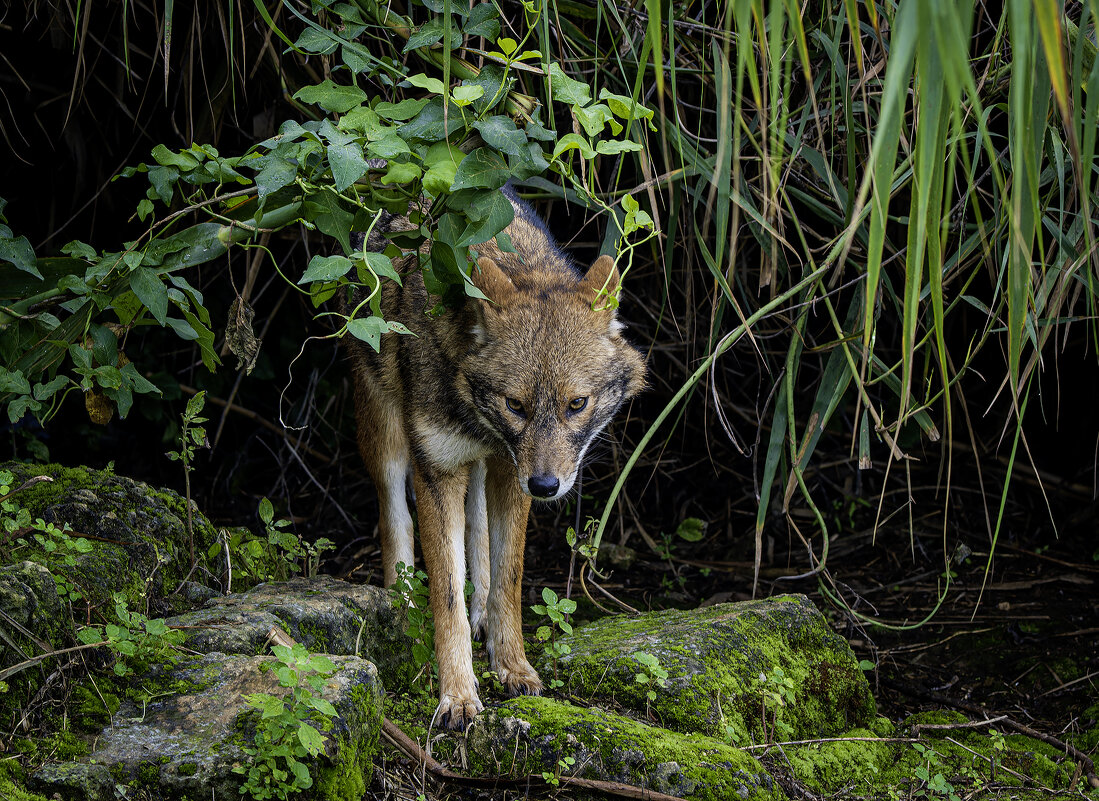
(290,727)
(652,674)
(563,765)
(930,773)
(290,544)
(777,692)
(58,547)
(134,638)
(999,745)
(557,610)
(191,437)
(410,595)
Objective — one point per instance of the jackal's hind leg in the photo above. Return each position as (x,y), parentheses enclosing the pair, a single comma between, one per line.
(384,450)
(477,549)
(508,507)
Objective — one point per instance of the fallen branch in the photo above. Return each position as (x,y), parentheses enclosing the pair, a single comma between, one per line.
(410,748)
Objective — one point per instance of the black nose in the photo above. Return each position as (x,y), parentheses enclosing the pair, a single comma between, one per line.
(543,486)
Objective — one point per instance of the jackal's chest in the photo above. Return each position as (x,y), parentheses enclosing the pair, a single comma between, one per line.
(449,448)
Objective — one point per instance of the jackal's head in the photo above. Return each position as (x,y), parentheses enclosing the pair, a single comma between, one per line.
(548,371)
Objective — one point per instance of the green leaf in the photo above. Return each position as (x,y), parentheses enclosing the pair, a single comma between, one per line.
(442,162)
(388,147)
(483,21)
(151,291)
(573,141)
(18,251)
(433,85)
(380,264)
(348,164)
(89,635)
(14,381)
(44,392)
(566,90)
(501,133)
(332,97)
(316,41)
(326,268)
(80,250)
(691,529)
(481,169)
(405,110)
(183,329)
(369,330)
(595,117)
(277,173)
(429,125)
(466,94)
(489,213)
(401,173)
(184,160)
(611,147)
(430,33)
(626,107)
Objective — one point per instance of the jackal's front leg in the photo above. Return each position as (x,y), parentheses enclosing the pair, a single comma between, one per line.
(440,502)
(508,507)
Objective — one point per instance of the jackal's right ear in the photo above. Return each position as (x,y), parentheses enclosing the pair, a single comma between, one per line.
(602,273)
(492,282)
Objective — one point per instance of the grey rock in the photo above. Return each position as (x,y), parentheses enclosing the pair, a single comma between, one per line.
(322,613)
(185,744)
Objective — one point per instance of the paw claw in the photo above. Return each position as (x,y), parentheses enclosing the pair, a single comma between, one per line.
(457,713)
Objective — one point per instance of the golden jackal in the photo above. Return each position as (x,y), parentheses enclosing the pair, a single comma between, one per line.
(491,404)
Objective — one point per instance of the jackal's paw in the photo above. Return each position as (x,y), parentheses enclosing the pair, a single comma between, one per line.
(522,679)
(457,713)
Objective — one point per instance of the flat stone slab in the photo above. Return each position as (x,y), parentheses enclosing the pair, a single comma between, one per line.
(185,744)
(324,614)
(721,663)
(534,735)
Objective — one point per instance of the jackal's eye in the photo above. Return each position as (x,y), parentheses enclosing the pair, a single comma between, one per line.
(577,405)
(515,407)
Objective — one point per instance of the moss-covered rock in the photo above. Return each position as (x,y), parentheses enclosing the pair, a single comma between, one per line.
(539,735)
(323,613)
(140,544)
(721,663)
(35,625)
(185,742)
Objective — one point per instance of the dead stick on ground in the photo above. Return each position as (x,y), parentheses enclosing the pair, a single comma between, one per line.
(977,709)
(412,750)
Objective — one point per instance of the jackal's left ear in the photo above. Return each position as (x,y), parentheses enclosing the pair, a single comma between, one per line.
(492,282)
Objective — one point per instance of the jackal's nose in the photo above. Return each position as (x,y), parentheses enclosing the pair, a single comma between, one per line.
(543,486)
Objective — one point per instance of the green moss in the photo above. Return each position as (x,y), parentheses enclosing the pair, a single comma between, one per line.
(90,710)
(148,773)
(11,783)
(828,766)
(349,776)
(187,769)
(531,735)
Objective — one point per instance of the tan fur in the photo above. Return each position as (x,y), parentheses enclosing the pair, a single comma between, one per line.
(480,398)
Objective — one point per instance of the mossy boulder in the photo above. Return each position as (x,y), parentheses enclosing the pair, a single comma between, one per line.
(33,625)
(185,742)
(138,534)
(322,613)
(743,671)
(535,735)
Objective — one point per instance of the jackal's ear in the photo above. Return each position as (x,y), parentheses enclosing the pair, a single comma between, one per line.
(492,282)
(601,274)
